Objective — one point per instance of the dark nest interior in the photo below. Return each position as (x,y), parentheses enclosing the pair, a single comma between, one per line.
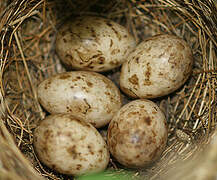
(27,52)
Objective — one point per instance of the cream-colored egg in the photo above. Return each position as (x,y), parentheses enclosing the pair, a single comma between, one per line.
(93,43)
(69,145)
(137,134)
(156,67)
(86,94)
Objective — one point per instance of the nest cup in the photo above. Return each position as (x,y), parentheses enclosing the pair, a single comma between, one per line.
(27,53)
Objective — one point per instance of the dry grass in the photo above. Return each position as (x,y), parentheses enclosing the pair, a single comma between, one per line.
(27,53)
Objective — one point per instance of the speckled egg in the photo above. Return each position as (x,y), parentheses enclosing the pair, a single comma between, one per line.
(86,94)
(137,134)
(156,67)
(93,44)
(69,145)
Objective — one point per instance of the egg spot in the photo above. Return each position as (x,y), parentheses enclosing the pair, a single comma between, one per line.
(147,75)
(134,79)
(64,40)
(90,149)
(115,62)
(89,84)
(115,51)
(101,60)
(73,152)
(137,60)
(111,43)
(147,120)
(78,167)
(64,76)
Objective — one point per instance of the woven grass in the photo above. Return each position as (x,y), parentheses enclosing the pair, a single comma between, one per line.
(27,53)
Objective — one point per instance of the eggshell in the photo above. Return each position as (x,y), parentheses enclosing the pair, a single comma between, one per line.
(86,94)
(156,67)
(137,134)
(93,43)
(70,146)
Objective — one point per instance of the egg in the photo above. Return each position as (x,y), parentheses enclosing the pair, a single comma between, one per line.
(70,145)
(137,134)
(93,44)
(86,94)
(156,67)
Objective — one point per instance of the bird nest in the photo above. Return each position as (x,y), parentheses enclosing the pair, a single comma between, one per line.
(27,53)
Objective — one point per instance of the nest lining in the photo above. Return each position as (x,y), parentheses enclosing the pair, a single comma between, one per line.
(27,31)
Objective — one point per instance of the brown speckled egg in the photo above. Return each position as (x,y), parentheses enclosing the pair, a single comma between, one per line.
(156,67)
(137,134)
(69,145)
(86,94)
(93,44)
